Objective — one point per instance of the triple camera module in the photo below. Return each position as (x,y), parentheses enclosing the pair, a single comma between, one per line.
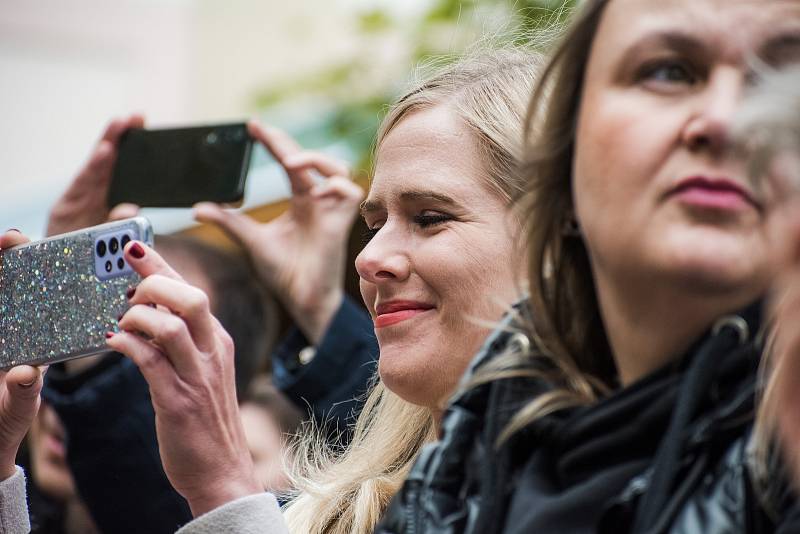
(108,254)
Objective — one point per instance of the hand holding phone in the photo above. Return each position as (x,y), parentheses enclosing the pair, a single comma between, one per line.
(179,167)
(83,203)
(302,254)
(19,394)
(60,296)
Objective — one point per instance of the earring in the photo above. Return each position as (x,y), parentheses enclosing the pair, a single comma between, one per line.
(571,227)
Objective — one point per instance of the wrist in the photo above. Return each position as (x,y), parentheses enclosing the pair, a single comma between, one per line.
(7,470)
(313,320)
(220,494)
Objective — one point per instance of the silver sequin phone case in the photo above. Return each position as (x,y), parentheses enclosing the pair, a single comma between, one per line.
(59,296)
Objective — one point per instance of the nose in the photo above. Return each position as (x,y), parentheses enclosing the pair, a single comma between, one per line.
(385,258)
(709,127)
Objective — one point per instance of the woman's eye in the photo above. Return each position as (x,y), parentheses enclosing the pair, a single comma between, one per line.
(424,220)
(667,72)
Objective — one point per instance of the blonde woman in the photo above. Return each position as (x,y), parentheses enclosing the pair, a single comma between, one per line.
(651,250)
(444,176)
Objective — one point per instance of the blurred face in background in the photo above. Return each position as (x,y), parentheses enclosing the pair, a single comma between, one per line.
(49,456)
(439,258)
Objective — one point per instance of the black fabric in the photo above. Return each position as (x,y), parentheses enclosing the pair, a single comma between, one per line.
(587,469)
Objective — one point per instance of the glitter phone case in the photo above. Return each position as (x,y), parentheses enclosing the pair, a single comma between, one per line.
(59,296)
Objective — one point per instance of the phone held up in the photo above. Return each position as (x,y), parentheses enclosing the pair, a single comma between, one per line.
(59,296)
(179,167)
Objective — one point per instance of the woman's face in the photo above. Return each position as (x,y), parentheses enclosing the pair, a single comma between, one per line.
(440,255)
(656,190)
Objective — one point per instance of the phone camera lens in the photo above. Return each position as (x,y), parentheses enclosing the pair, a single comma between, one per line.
(124,241)
(212,138)
(113,245)
(120,264)
(109,266)
(101,248)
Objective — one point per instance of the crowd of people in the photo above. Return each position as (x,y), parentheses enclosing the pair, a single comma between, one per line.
(580,278)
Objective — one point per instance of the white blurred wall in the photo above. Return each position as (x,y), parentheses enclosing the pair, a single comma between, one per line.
(66,66)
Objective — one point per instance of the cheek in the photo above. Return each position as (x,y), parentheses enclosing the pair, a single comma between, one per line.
(368,294)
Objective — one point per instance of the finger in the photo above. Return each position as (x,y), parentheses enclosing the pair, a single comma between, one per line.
(154,365)
(23,384)
(146,261)
(239,226)
(339,187)
(167,332)
(122,211)
(187,302)
(12,238)
(325,165)
(282,146)
(117,127)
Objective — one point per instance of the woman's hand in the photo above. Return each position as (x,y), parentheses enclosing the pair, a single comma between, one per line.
(302,254)
(19,394)
(84,203)
(187,359)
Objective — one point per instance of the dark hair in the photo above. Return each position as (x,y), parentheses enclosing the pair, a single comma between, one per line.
(240,303)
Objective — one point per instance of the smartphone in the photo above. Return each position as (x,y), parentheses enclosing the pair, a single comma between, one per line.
(59,296)
(179,167)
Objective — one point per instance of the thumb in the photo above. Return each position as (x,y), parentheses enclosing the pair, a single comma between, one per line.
(23,385)
(126,210)
(239,226)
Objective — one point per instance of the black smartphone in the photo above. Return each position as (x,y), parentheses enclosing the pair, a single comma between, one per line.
(177,167)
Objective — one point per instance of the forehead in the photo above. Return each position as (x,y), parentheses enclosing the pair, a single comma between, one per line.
(738,25)
(429,150)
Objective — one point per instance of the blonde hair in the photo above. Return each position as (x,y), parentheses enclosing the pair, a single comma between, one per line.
(348,491)
(564,321)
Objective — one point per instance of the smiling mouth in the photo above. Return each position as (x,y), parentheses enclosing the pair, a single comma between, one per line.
(394,312)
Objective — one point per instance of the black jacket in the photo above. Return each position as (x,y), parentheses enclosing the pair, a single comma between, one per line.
(666,454)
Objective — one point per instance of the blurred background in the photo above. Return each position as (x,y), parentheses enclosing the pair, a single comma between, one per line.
(324,70)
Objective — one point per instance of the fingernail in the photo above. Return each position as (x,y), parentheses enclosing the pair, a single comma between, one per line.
(13,230)
(137,251)
(109,335)
(27,384)
(132,290)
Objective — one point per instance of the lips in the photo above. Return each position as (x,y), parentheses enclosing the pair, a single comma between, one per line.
(396,311)
(714,193)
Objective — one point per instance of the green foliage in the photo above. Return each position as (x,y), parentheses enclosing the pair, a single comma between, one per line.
(357,109)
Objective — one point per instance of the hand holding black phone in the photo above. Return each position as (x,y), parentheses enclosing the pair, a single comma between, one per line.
(179,167)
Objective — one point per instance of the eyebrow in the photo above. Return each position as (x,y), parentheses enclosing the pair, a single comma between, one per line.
(371,206)
(677,40)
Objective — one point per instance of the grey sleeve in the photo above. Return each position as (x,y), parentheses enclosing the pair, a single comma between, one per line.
(14,505)
(254,514)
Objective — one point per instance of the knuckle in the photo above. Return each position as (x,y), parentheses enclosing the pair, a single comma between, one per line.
(198,301)
(171,329)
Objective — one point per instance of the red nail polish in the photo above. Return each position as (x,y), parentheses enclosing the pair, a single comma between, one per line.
(109,335)
(130,293)
(137,251)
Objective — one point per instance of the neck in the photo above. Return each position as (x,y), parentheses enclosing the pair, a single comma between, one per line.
(649,326)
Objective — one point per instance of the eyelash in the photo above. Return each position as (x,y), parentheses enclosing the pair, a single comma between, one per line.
(423,221)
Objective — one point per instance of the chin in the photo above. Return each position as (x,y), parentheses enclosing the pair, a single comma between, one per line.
(407,380)
(716,258)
